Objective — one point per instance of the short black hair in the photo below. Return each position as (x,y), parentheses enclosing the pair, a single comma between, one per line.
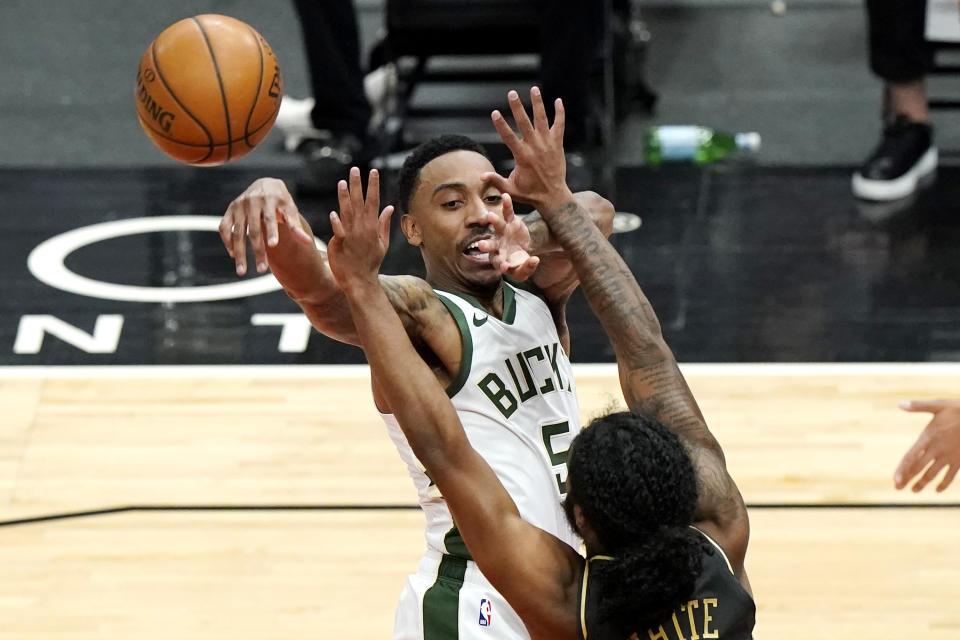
(636,487)
(421,155)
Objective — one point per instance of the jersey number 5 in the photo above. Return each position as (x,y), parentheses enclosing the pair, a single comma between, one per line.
(557,458)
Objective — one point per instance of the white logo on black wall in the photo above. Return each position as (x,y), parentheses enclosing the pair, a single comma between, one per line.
(47,263)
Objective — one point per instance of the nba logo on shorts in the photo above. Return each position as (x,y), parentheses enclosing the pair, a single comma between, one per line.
(486,612)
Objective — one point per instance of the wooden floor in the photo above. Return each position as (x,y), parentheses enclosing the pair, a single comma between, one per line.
(103,438)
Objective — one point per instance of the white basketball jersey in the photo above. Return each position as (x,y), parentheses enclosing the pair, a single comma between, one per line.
(517,401)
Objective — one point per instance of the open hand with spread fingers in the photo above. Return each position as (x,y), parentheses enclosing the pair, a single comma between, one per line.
(540,175)
(509,249)
(361,232)
(266,213)
(937,447)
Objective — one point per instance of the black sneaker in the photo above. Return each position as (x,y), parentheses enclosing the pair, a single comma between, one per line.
(328,158)
(905,153)
(335,149)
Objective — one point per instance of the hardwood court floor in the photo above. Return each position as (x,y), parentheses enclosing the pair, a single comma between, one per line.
(97,439)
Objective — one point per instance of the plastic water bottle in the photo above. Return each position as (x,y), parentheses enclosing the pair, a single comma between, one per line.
(699,144)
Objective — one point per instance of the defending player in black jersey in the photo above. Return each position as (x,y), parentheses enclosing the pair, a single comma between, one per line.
(664,525)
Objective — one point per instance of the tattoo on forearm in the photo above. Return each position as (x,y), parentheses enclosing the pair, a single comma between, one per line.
(409,296)
(542,236)
(719,495)
(651,380)
(659,390)
(539,232)
(405,294)
(605,278)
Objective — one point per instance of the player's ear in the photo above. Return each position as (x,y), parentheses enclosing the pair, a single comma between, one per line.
(411,229)
(578,518)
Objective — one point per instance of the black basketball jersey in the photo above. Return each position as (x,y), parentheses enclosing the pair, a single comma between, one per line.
(719,608)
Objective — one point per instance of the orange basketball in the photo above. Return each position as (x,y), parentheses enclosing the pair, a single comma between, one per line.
(208,89)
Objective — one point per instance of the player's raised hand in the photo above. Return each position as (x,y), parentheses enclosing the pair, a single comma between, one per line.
(540,174)
(509,249)
(261,212)
(937,447)
(361,232)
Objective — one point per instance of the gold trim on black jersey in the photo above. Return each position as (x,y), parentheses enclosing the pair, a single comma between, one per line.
(583,592)
(719,548)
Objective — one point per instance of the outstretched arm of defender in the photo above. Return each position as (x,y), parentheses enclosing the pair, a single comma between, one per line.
(541,169)
(520,560)
(649,375)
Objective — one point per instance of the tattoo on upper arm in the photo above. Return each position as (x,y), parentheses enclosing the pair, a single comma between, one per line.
(418,307)
(651,380)
(720,500)
(408,295)
(659,390)
(539,231)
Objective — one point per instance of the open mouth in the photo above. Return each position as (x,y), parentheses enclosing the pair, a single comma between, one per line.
(474,254)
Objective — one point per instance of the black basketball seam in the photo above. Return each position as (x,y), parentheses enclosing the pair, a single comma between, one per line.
(163,135)
(156,65)
(266,123)
(223,93)
(256,96)
(209,147)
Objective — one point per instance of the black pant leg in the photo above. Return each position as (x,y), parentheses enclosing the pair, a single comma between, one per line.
(332,44)
(570,39)
(898,50)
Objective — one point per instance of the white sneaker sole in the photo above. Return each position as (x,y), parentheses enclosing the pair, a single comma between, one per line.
(294,121)
(883,190)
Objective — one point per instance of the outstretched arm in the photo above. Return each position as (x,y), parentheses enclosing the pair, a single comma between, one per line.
(649,375)
(282,241)
(531,568)
(556,276)
(525,248)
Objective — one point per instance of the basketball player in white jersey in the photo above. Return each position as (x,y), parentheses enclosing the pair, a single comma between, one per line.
(499,348)
(664,525)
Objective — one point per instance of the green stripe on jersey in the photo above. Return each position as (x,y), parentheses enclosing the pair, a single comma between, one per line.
(441,602)
(466,354)
(526,286)
(509,304)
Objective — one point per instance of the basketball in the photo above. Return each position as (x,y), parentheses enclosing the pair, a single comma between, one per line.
(208,89)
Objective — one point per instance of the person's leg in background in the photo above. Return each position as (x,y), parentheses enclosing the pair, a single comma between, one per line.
(570,68)
(339,113)
(570,42)
(899,55)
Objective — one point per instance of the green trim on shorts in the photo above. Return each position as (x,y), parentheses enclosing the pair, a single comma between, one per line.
(441,602)
(454,544)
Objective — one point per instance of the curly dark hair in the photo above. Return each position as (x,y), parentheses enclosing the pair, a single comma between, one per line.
(635,484)
(421,155)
